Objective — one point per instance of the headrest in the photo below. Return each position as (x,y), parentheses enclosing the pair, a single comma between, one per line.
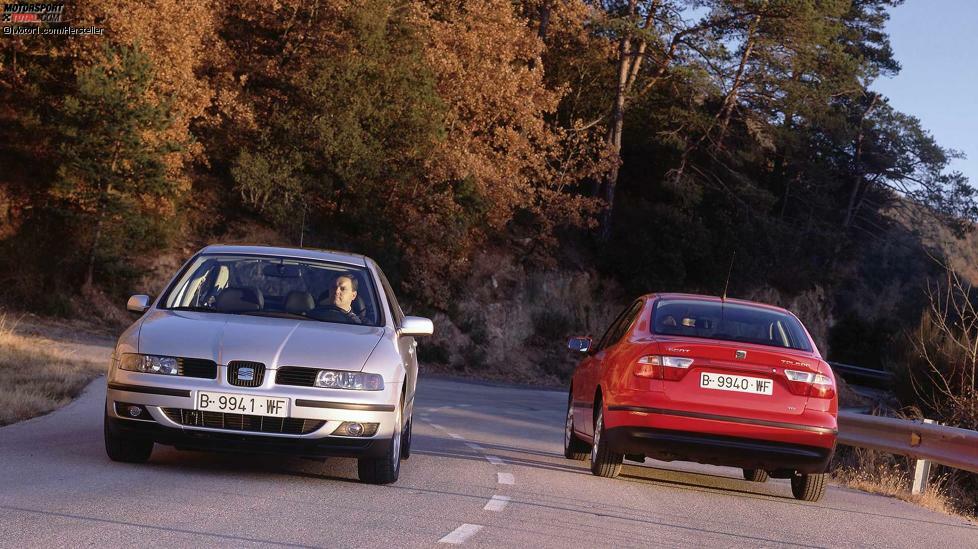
(237,300)
(299,302)
(325,298)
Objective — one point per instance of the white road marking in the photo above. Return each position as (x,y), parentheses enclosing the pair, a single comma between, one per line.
(464,405)
(458,437)
(505,478)
(436,426)
(494,460)
(497,503)
(474,446)
(460,534)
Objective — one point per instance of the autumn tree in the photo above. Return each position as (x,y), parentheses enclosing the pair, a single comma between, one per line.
(112,174)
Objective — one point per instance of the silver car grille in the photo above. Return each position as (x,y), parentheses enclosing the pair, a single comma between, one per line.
(243,422)
(246,374)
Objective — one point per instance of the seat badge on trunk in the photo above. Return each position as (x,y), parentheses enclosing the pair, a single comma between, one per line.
(740,355)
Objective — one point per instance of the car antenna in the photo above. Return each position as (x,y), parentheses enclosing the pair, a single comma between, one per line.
(730,270)
(302,225)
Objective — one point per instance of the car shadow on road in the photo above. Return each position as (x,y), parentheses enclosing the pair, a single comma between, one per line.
(678,479)
(223,463)
(509,460)
(721,484)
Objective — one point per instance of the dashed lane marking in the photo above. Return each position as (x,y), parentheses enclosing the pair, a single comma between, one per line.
(505,478)
(494,460)
(460,534)
(474,446)
(496,503)
(456,437)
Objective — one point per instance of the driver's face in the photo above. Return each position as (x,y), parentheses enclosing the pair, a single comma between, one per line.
(344,294)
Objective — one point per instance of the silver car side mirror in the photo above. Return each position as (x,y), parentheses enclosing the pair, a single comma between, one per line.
(138,303)
(416,326)
(580,344)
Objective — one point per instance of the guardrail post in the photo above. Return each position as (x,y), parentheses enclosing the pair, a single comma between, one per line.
(921,472)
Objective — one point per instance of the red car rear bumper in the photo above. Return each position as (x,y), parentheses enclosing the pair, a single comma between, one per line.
(720,440)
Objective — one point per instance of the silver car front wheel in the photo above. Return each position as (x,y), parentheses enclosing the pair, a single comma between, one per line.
(386,469)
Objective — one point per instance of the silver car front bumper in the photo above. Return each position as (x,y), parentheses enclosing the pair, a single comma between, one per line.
(161,396)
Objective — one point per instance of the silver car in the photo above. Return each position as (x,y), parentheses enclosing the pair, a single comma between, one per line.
(268,350)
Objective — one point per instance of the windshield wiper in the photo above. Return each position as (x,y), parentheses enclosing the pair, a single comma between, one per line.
(275,314)
(195,308)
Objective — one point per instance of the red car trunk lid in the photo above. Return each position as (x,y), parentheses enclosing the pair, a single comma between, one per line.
(740,360)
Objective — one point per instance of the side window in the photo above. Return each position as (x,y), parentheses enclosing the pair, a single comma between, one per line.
(626,323)
(395,308)
(197,286)
(618,327)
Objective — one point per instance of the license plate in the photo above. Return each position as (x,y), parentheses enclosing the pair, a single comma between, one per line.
(242,404)
(740,384)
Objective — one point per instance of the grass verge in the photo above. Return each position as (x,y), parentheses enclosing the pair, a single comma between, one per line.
(880,473)
(35,378)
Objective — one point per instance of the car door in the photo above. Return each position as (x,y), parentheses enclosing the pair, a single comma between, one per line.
(407,346)
(591,368)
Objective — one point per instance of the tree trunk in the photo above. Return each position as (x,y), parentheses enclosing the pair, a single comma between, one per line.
(545,9)
(857,183)
(607,188)
(103,200)
(731,98)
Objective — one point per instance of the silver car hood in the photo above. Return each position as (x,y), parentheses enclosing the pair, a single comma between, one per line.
(272,341)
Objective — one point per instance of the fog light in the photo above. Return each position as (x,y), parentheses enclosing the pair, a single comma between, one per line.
(356,429)
(132,411)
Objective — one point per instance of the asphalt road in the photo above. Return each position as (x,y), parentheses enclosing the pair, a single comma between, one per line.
(487,471)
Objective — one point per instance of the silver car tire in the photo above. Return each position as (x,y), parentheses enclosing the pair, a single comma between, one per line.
(386,469)
(125,449)
(406,440)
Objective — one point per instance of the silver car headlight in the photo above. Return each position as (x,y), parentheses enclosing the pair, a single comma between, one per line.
(150,364)
(358,381)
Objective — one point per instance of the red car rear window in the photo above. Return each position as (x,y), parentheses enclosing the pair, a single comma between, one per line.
(728,322)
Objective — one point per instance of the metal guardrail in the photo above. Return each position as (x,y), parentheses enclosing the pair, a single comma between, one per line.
(949,446)
(863,376)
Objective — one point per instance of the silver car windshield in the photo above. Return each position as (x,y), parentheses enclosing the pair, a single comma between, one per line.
(278,287)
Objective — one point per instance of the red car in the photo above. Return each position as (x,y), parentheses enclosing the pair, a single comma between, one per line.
(704,379)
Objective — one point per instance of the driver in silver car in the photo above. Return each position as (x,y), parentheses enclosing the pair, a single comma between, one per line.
(343,294)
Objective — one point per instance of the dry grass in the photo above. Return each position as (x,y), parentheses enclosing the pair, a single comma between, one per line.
(881,473)
(35,378)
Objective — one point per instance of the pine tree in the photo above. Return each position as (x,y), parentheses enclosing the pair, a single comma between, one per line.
(113,153)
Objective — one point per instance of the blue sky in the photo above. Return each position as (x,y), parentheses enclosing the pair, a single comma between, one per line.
(936,42)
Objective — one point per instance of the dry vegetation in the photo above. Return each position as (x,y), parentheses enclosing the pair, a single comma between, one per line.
(880,473)
(35,378)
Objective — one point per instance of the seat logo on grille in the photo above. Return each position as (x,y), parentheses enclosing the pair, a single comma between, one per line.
(246,374)
(741,354)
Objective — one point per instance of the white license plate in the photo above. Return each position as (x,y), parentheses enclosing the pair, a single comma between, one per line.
(242,404)
(740,384)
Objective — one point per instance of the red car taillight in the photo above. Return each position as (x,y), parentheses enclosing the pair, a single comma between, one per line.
(670,368)
(810,384)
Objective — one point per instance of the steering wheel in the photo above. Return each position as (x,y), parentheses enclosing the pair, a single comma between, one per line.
(330,314)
